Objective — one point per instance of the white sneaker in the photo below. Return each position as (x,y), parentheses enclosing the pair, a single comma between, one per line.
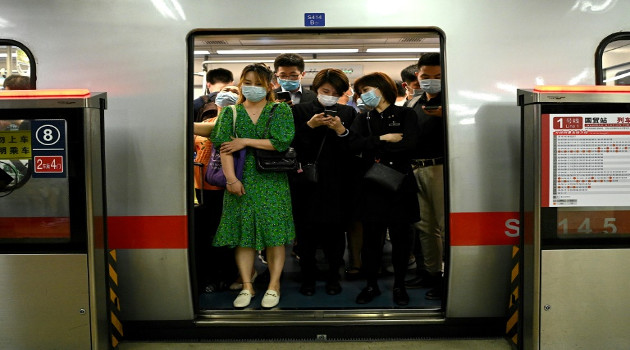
(271,299)
(243,299)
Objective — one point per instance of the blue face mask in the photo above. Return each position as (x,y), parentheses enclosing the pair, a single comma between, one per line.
(370,99)
(289,85)
(253,93)
(226,99)
(431,86)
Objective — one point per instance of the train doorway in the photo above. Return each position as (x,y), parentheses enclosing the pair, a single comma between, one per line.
(356,53)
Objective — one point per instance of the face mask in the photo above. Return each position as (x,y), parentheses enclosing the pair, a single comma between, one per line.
(361,106)
(253,93)
(289,85)
(327,100)
(417,92)
(431,86)
(226,99)
(370,99)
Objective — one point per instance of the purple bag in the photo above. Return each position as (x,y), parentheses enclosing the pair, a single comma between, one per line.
(214,174)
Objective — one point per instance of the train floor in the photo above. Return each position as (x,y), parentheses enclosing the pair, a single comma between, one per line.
(291,299)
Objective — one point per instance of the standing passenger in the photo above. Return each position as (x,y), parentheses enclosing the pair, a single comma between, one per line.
(256,209)
(324,207)
(289,69)
(429,173)
(385,134)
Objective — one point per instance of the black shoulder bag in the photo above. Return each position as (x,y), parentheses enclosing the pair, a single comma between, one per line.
(274,160)
(382,175)
(309,170)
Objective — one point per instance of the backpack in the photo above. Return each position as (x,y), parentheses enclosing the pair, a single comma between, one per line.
(209,108)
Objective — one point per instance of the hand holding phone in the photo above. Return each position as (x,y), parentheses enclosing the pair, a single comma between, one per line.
(330,112)
(431,108)
(284,95)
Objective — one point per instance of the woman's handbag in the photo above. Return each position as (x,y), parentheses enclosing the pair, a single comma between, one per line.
(383,175)
(275,161)
(309,171)
(214,174)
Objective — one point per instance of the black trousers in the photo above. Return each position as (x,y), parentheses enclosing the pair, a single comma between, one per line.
(214,264)
(331,237)
(400,235)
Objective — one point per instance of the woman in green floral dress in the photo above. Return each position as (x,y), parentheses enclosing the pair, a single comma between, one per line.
(256,209)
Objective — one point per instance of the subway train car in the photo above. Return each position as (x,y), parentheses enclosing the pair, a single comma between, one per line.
(150,57)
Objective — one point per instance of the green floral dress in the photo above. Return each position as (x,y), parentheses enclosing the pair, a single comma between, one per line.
(262,216)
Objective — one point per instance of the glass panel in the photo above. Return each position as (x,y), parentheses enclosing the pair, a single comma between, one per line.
(15,67)
(34,186)
(613,66)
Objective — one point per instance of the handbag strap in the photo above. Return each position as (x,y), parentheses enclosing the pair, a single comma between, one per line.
(234,113)
(271,114)
(367,116)
(320,148)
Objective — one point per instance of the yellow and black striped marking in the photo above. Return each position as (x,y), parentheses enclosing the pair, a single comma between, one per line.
(511,328)
(115,327)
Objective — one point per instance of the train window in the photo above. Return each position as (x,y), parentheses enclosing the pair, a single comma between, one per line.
(612,60)
(17,62)
(356,53)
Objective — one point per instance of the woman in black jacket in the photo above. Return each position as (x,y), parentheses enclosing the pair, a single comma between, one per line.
(386,134)
(322,209)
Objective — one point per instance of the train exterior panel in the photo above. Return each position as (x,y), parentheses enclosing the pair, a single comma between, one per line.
(137,52)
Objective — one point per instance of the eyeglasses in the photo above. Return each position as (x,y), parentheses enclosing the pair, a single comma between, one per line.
(289,77)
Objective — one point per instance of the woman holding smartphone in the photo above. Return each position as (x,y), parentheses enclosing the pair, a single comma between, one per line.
(386,134)
(256,209)
(323,208)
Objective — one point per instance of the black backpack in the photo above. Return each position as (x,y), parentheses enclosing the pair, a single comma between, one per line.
(209,108)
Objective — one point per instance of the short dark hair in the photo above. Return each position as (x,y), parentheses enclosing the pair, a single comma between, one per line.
(219,75)
(400,90)
(429,59)
(332,76)
(289,60)
(17,82)
(409,73)
(378,80)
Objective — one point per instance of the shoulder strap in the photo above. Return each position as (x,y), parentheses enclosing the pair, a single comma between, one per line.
(271,114)
(320,147)
(234,120)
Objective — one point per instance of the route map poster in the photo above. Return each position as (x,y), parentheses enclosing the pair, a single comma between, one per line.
(585,160)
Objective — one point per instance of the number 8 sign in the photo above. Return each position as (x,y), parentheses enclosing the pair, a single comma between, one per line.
(47,135)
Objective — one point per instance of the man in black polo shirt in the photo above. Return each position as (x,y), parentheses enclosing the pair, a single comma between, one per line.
(428,171)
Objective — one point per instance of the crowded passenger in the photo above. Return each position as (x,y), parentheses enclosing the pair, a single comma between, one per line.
(289,69)
(409,77)
(387,134)
(216,79)
(428,170)
(216,267)
(17,82)
(324,200)
(257,208)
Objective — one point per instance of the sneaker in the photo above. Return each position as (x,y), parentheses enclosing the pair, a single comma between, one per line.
(271,299)
(243,299)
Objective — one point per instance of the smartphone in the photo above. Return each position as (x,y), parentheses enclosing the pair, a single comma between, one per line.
(431,108)
(283,95)
(330,112)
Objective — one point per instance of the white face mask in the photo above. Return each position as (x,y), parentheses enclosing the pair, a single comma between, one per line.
(327,100)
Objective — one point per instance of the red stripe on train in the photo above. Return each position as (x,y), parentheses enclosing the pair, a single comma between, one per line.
(35,227)
(147,232)
(164,232)
(494,228)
